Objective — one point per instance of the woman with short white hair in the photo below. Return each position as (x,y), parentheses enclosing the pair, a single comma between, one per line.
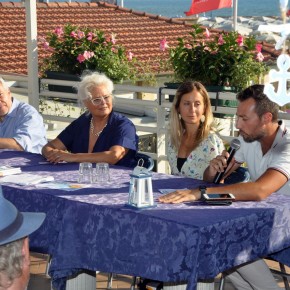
(100,134)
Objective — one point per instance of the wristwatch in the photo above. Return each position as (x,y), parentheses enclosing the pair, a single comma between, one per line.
(202,189)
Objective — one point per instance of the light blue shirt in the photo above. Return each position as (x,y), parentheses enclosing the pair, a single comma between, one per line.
(24,124)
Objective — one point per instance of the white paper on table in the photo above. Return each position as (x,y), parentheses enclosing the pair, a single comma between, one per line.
(63,186)
(26,179)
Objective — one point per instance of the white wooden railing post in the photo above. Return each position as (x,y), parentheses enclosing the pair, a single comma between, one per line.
(32,53)
(161,134)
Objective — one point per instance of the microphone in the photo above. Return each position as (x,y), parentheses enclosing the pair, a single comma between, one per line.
(235,145)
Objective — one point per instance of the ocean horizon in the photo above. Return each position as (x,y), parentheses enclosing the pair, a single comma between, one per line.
(176,8)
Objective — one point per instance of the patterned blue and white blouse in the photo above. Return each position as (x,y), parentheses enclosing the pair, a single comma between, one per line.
(198,160)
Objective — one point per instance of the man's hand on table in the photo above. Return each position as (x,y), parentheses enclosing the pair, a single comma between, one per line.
(179,196)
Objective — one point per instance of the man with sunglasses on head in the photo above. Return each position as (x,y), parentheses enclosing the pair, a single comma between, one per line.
(100,134)
(21,126)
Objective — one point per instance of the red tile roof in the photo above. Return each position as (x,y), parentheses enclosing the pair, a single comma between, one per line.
(138,31)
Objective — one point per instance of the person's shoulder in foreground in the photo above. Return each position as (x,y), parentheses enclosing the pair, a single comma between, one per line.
(262,133)
(21,125)
(15,227)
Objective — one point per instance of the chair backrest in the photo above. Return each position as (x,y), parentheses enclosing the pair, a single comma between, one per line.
(240,175)
(148,161)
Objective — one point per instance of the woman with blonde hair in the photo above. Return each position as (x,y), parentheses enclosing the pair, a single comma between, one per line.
(192,140)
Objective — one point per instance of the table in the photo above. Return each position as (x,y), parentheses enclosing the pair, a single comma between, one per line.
(92,229)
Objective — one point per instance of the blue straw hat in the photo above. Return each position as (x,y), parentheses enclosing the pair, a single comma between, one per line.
(15,225)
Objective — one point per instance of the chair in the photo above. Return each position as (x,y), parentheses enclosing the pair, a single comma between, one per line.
(148,161)
(285,276)
(240,175)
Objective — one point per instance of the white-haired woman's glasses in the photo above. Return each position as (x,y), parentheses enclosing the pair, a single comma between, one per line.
(100,100)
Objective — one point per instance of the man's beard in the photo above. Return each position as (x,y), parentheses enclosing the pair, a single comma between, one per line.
(251,138)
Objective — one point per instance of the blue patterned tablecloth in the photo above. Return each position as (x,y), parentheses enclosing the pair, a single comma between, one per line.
(92,228)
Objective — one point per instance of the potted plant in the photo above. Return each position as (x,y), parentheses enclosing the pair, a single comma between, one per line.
(73,49)
(224,61)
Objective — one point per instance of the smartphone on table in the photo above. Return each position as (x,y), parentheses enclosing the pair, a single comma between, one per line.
(219,198)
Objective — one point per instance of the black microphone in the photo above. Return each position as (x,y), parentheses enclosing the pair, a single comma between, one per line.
(235,145)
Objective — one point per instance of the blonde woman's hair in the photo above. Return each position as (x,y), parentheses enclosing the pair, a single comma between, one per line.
(177,126)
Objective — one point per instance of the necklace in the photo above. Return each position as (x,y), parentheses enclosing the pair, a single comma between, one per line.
(92,128)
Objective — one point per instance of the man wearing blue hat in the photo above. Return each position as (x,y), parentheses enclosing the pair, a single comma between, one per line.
(15,227)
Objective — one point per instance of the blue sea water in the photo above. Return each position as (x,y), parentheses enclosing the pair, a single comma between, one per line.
(176,8)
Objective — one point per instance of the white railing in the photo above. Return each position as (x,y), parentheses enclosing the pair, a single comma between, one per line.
(160,105)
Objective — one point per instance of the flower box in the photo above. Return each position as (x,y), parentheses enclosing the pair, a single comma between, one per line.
(62,76)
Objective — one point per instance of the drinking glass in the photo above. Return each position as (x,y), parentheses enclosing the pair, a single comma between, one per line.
(102,172)
(85,172)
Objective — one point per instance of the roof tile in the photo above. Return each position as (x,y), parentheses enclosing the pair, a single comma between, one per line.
(138,31)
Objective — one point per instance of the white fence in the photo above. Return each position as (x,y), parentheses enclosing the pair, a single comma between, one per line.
(159,104)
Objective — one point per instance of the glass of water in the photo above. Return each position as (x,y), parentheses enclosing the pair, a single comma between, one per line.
(85,172)
(102,172)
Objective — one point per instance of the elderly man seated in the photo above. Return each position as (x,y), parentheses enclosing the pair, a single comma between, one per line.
(21,126)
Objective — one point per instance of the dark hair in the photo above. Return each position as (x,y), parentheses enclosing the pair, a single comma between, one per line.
(263,103)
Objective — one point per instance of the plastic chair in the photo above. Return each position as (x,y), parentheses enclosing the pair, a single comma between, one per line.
(148,161)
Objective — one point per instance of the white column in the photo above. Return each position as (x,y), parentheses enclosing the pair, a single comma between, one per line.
(235,14)
(32,53)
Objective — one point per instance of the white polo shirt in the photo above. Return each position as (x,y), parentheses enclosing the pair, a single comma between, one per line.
(278,157)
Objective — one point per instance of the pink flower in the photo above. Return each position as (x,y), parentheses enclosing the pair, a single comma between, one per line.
(73,34)
(81,34)
(42,39)
(259,47)
(81,58)
(58,31)
(187,45)
(207,33)
(113,49)
(130,55)
(46,45)
(90,36)
(88,54)
(221,40)
(113,38)
(163,44)
(240,40)
(259,57)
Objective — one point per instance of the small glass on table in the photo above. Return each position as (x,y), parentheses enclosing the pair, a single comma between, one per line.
(102,172)
(85,172)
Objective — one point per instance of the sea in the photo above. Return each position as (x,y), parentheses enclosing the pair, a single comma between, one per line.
(176,8)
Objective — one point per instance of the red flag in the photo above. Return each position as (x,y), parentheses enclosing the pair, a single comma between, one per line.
(200,6)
